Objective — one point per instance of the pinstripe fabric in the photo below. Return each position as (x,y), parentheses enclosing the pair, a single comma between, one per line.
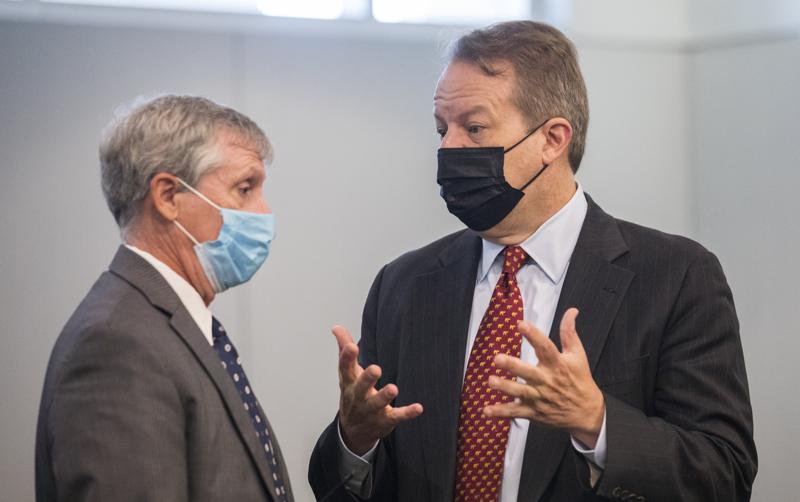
(136,405)
(660,331)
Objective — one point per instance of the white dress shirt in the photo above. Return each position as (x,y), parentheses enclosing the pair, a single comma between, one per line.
(189,296)
(540,281)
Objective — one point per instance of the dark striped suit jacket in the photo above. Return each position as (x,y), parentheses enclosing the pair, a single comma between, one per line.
(661,334)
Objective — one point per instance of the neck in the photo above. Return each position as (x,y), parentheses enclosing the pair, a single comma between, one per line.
(535,208)
(171,247)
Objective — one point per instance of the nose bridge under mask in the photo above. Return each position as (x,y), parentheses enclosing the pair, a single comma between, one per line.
(469,162)
(239,250)
(474,186)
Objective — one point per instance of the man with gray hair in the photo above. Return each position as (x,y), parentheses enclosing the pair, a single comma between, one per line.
(475,379)
(145,397)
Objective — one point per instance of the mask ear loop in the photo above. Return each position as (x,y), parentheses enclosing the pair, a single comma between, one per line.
(196,192)
(525,137)
(517,144)
(534,177)
(520,141)
(186,232)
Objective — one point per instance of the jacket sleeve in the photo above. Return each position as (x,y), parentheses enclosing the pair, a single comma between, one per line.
(698,444)
(116,425)
(323,469)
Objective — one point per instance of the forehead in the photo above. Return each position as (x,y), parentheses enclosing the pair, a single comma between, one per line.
(237,159)
(464,85)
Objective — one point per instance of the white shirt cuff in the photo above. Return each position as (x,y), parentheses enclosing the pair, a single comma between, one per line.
(359,468)
(597,456)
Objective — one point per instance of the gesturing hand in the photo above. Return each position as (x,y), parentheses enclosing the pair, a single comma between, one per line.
(559,391)
(365,415)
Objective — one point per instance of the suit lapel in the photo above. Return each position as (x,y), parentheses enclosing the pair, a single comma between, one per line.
(596,286)
(187,329)
(141,275)
(441,306)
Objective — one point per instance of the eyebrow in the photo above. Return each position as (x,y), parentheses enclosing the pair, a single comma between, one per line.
(252,174)
(470,111)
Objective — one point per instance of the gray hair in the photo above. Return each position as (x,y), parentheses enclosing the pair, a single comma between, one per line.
(173,134)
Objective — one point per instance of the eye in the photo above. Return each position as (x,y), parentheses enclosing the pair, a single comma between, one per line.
(475,129)
(245,189)
(441,131)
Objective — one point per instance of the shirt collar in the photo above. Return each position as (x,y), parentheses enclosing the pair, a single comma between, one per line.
(551,245)
(189,296)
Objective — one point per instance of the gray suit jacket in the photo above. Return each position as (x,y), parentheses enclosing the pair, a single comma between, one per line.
(660,331)
(136,405)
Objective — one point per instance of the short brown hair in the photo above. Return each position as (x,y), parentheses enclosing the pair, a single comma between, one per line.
(545,63)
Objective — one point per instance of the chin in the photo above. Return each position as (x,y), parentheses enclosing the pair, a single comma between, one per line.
(501,234)
(511,230)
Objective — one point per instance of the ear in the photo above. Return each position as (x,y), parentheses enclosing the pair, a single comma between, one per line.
(558,135)
(163,188)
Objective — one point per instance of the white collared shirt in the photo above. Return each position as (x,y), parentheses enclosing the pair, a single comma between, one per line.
(540,281)
(189,296)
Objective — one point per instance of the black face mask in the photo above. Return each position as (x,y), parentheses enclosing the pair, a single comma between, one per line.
(474,187)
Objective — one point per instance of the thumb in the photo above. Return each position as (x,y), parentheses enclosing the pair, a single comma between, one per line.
(570,342)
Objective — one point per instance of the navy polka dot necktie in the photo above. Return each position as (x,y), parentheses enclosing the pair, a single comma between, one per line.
(233,365)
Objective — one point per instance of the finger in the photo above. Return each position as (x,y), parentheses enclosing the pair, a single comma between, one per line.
(508,410)
(403,413)
(570,340)
(519,368)
(343,337)
(382,398)
(513,389)
(366,381)
(546,350)
(349,370)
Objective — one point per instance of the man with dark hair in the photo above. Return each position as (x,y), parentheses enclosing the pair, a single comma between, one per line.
(549,351)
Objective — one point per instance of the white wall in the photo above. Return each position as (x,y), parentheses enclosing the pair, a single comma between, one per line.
(353,185)
(636,164)
(747,163)
(737,19)
(647,22)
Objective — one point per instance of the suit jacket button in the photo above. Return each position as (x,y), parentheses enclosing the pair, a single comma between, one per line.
(616,492)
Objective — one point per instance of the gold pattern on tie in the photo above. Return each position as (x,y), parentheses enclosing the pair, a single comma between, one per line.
(481,440)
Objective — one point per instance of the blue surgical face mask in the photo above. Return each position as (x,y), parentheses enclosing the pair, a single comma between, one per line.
(240,249)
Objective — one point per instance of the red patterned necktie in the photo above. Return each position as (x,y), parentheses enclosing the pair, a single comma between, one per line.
(481,440)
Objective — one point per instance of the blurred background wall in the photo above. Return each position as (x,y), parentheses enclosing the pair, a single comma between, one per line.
(694,111)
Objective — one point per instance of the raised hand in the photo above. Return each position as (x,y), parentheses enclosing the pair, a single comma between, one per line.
(559,391)
(365,415)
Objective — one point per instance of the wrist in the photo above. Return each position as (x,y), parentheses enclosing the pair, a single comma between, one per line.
(589,431)
(353,441)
